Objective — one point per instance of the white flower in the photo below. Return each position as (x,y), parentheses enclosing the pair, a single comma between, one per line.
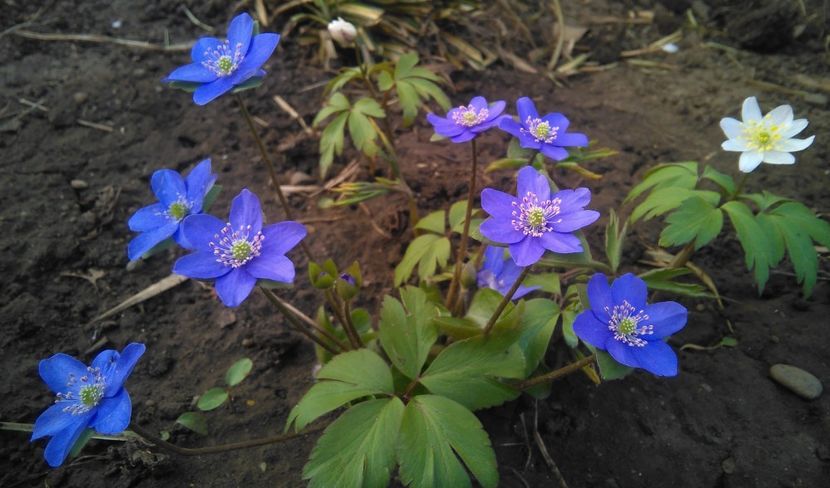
(342,31)
(767,138)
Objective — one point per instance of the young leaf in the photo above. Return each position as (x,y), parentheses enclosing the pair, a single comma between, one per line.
(407,334)
(664,200)
(537,325)
(467,371)
(418,249)
(675,175)
(663,280)
(721,179)
(238,371)
(345,378)
(212,399)
(614,238)
(757,250)
(194,421)
(331,141)
(358,449)
(435,258)
(568,318)
(435,433)
(433,222)
(695,219)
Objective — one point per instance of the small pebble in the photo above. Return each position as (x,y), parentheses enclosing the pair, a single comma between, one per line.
(796,380)
(247,342)
(79,184)
(728,465)
(300,178)
(79,97)
(226,318)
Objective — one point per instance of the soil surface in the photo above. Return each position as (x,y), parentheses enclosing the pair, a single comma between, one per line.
(68,189)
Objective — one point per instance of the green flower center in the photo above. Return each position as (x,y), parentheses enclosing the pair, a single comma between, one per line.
(542,130)
(225,63)
(627,326)
(178,210)
(470,117)
(241,250)
(536,217)
(91,395)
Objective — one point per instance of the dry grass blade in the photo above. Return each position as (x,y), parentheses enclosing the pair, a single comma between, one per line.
(156,288)
(94,38)
(287,108)
(560,34)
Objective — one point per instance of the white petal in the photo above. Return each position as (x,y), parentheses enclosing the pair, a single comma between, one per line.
(797,126)
(778,157)
(750,160)
(790,145)
(751,111)
(738,145)
(781,115)
(731,127)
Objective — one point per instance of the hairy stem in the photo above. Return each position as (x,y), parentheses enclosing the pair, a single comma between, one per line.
(556,373)
(506,300)
(455,284)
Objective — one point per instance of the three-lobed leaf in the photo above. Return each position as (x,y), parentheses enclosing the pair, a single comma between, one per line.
(406,330)
(695,220)
(757,250)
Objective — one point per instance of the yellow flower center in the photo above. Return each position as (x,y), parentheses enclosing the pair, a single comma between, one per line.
(762,135)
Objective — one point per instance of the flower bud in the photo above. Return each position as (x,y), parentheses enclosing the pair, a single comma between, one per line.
(343,32)
(468,275)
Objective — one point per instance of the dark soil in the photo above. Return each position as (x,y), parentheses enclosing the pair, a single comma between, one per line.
(721,423)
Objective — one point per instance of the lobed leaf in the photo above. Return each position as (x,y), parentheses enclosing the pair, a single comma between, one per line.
(406,330)
(695,220)
(758,251)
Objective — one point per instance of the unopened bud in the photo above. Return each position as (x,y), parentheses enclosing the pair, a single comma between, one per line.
(468,275)
(343,32)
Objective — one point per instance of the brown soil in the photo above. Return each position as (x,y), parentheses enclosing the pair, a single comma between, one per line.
(721,423)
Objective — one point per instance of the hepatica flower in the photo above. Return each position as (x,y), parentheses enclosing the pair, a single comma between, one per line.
(178,198)
(464,123)
(220,65)
(546,134)
(630,330)
(534,220)
(764,138)
(499,272)
(87,397)
(239,252)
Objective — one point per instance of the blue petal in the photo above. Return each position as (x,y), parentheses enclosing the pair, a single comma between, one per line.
(105,361)
(168,186)
(148,240)
(274,267)
(622,352)
(234,287)
(148,218)
(554,152)
(52,421)
(631,289)
(500,230)
(657,358)
(561,243)
(246,211)
(526,109)
(55,371)
(510,126)
(240,31)
(494,259)
(570,222)
(555,119)
(60,444)
(527,252)
(210,91)
(591,330)
(192,73)
(666,317)
(495,109)
(529,142)
(465,136)
(531,181)
(497,203)
(522,291)
(261,49)
(124,364)
(572,139)
(200,265)
(444,127)
(282,237)
(599,294)
(113,414)
(202,47)
(478,103)
(200,230)
(573,200)
(199,182)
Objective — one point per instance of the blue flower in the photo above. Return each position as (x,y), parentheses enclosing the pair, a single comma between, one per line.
(545,134)
(499,272)
(178,198)
(630,330)
(465,123)
(219,66)
(87,397)
(238,253)
(535,220)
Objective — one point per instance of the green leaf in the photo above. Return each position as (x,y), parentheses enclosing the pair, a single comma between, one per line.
(409,100)
(331,142)
(695,219)
(358,449)
(457,328)
(362,133)
(458,211)
(238,371)
(665,200)
(484,304)
(506,163)
(406,331)
(417,249)
(568,318)
(347,377)
(336,103)
(212,399)
(433,222)
(385,81)
(435,258)
(547,282)
(764,200)
(369,107)
(676,175)
(803,217)
(609,368)
(758,252)
(194,421)
(345,76)
(435,433)
(406,62)
(723,180)
(428,89)
(248,84)
(777,246)
(537,325)
(663,280)
(467,371)
(210,197)
(799,246)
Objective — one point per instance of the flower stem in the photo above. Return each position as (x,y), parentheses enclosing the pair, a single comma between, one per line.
(297,318)
(740,186)
(556,373)
(504,301)
(197,451)
(337,308)
(455,284)
(271,170)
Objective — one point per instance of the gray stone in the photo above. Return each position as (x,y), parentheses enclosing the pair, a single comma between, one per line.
(79,184)
(796,380)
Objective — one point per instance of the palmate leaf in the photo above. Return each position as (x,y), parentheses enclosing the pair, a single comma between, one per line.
(413,85)
(670,175)
(538,322)
(358,449)
(428,252)
(696,219)
(354,116)
(406,331)
(467,371)
(723,180)
(664,200)
(757,249)
(347,377)
(435,433)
